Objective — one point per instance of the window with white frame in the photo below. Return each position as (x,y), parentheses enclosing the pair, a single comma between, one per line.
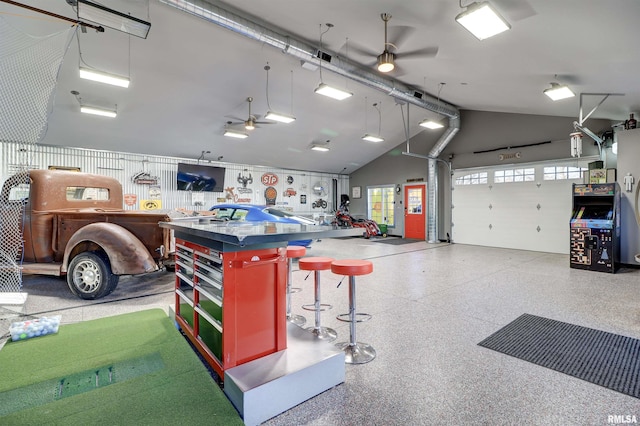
(380,204)
(514,175)
(472,179)
(563,172)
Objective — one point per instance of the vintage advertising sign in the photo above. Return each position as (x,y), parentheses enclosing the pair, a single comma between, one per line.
(130,199)
(269,179)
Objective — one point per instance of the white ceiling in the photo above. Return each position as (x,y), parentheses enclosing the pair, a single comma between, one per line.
(189,75)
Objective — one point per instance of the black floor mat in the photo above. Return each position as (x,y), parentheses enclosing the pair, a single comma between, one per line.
(396,241)
(599,357)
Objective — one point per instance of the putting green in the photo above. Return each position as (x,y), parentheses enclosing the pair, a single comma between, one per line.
(128,369)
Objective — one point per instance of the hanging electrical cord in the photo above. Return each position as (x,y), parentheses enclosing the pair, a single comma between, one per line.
(378,106)
(366,105)
(440,87)
(320,53)
(82,62)
(291,92)
(267,68)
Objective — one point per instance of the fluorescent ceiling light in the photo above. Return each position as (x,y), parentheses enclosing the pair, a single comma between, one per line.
(372,138)
(332,92)
(112,18)
(104,77)
(482,20)
(430,124)
(98,111)
(323,147)
(557,92)
(283,118)
(235,134)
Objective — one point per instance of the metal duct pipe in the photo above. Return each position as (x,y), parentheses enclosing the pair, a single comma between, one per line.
(432,179)
(224,17)
(234,21)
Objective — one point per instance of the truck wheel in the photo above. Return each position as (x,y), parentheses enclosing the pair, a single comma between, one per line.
(90,277)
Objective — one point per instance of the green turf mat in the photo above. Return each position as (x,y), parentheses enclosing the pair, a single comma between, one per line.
(156,378)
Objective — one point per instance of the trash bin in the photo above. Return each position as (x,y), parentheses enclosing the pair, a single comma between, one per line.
(383,229)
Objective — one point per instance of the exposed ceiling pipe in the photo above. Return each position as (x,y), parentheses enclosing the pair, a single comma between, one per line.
(234,21)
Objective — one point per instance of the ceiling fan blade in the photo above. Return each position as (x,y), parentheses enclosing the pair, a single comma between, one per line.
(398,71)
(427,52)
(238,119)
(265,122)
(359,49)
(398,35)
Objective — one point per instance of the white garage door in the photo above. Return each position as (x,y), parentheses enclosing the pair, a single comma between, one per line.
(524,207)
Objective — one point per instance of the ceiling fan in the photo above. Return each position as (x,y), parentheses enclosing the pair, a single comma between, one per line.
(386,61)
(252,120)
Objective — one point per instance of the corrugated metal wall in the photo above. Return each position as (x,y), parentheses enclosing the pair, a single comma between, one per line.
(294,187)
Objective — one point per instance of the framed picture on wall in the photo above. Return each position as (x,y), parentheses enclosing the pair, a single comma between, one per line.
(356,192)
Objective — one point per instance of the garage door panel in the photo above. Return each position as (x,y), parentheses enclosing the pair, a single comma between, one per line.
(531,215)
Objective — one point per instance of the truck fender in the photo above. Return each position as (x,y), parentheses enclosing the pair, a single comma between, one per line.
(127,255)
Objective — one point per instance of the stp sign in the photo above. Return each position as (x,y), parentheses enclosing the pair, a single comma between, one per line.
(269,179)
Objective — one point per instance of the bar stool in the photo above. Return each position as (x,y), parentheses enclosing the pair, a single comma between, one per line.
(318,264)
(355,352)
(293,252)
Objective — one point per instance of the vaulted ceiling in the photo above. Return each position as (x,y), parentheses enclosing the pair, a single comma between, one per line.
(190,76)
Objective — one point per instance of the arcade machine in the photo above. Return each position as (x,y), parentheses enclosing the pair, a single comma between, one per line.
(595,227)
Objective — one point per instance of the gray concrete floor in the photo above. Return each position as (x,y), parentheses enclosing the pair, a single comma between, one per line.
(431,305)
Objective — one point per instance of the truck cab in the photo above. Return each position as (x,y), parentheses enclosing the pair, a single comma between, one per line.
(74,224)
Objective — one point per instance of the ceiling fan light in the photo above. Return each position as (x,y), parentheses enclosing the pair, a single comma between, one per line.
(332,92)
(557,92)
(282,118)
(372,138)
(386,61)
(98,111)
(235,134)
(249,125)
(431,124)
(103,77)
(482,20)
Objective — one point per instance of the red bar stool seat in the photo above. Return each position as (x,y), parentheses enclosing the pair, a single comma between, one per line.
(293,252)
(318,264)
(355,352)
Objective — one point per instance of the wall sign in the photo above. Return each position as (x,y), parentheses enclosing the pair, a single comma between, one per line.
(509,156)
(130,199)
(269,179)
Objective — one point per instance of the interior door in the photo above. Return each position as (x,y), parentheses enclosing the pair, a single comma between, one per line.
(415,211)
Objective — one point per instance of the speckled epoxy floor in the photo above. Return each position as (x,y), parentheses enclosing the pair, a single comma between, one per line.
(431,305)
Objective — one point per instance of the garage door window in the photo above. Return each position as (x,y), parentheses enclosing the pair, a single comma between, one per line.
(514,175)
(472,179)
(563,172)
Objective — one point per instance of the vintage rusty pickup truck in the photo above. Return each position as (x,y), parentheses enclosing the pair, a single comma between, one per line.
(74,224)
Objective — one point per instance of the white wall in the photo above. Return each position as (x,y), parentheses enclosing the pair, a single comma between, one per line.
(629,162)
(479,130)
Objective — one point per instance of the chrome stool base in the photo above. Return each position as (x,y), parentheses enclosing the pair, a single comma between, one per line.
(360,353)
(298,320)
(324,333)
(360,317)
(312,307)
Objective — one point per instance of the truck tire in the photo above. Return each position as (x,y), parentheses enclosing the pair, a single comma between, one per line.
(89,276)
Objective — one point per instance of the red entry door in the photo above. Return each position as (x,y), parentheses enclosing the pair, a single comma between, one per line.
(415,211)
